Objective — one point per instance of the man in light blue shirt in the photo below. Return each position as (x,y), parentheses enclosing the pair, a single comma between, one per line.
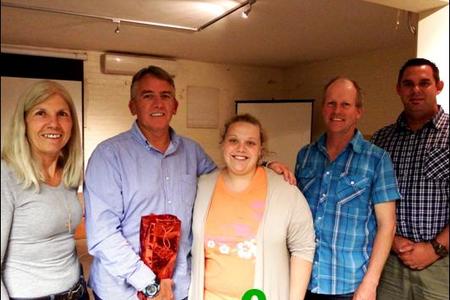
(350,186)
(148,169)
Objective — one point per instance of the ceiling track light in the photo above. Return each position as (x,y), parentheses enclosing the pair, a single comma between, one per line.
(133,21)
(247,11)
(117,21)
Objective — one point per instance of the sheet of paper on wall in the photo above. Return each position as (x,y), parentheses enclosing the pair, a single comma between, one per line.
(202,107)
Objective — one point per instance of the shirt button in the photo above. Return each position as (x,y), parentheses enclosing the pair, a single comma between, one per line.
(352,182)
(324,195)
(317,240)
(167,177)
(328,173)
(170,202)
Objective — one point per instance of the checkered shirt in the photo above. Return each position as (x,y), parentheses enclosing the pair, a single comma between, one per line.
(421,162)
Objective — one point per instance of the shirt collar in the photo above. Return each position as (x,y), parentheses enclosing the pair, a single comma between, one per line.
(435,122)
(174,138)
(356,143)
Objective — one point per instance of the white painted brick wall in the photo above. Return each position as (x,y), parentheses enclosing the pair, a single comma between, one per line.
(106,98)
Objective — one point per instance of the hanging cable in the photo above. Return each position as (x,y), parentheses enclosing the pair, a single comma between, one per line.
(412,28)
(397,22)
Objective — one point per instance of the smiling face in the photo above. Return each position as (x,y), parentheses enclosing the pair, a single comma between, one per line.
(48,127)
(418,89)
(339,110)
(154,105)
(242,148)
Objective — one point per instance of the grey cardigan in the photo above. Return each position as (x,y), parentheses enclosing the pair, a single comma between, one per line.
(286,230)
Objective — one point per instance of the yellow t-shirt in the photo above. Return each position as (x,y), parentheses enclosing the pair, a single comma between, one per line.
(230,238)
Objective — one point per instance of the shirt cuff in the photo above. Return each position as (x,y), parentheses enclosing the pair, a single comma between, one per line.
(142,277)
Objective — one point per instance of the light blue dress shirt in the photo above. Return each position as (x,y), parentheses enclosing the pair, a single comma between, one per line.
(126,178)
(342,195)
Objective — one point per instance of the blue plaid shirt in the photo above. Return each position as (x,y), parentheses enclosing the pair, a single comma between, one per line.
(342,195)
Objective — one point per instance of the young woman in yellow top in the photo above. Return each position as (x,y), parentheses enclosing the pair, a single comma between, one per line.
(251,228)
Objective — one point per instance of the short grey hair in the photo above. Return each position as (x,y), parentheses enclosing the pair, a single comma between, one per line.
(151,71)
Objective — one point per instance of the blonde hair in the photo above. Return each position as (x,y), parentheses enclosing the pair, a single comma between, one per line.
(247,118)
(16,147)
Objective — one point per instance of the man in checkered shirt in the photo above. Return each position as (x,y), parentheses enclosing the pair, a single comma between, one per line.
(419,147)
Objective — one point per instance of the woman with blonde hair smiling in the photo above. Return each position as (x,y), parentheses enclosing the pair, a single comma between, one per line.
(41,170)
(251,229)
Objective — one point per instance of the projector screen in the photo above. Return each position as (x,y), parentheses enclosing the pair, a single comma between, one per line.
(287,124)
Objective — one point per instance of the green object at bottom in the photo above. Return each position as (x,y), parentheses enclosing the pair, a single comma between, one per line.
(254,292)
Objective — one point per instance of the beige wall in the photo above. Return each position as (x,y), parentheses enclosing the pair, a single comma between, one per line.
(106,98)
(376,73)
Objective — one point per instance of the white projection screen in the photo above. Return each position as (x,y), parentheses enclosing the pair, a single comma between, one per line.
(287,124)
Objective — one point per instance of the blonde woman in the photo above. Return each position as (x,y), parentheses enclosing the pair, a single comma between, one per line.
(252,229)
(41,169)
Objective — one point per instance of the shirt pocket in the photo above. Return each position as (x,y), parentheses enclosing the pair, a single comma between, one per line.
(352,193)
(436,164)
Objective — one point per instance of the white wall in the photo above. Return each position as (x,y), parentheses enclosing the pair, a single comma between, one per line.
(433,44)
(376,73)
(106,98)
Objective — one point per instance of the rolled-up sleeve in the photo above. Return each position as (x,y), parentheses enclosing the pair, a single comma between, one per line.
(385,186)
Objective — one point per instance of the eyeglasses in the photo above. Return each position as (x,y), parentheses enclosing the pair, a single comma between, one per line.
(164,96)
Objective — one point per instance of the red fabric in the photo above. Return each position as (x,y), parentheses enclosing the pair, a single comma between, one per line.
(159,237)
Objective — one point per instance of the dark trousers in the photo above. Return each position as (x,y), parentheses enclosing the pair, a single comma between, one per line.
(312,296)
(77,292)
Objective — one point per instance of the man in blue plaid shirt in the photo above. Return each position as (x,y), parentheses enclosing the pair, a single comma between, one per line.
(351,189)
(419,146)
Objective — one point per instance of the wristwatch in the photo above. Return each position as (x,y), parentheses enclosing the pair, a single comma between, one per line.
(266,163)
(439,248)
(152,289)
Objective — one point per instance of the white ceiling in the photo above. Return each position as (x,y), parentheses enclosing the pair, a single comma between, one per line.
(279,33)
